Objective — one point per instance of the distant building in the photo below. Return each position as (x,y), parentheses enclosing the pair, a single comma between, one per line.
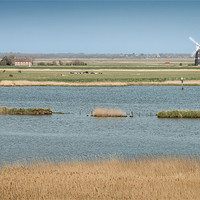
(167,62)
(23,61)
(197,58)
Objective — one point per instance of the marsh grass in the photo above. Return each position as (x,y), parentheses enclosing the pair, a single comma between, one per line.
(150,178)
(109,63)
(23,111)
(112,76)
(108,112)
(100,67)
(179,114)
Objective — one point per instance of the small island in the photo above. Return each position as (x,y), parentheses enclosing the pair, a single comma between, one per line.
(108,112)
(179,114)
(25,111)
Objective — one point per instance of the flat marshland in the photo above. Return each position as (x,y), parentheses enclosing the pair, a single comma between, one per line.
(107,71)
(116,77)
(109,63)
(150,178)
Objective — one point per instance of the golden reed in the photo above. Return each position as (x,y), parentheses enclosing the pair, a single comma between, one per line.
(108,112)
(148,179)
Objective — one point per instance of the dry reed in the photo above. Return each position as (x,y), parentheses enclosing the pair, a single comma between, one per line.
(157,178)
(108,112)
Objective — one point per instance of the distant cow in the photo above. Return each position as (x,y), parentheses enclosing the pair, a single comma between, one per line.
(10,75)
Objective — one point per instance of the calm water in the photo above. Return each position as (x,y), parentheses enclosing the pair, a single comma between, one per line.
(76,134)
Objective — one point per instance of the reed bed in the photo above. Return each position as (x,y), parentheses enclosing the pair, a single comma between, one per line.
(23,111)
(108,112)
(179,114)
(152,178)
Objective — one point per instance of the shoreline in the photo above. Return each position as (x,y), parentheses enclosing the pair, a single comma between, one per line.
(8,83)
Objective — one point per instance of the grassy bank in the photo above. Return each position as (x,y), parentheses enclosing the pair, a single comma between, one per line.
(179,114)
(156,178)
(23,111)
(141,72)
(93,67)
(114,76)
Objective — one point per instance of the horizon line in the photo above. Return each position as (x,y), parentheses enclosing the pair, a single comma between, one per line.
(90,53)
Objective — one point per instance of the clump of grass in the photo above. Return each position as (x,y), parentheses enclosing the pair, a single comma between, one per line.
(108,112)
(150,178)
(23,111)
(179,114)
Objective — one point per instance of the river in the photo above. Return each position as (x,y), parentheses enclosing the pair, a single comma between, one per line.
(77,134)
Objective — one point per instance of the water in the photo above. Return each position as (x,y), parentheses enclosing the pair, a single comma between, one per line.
(75,134)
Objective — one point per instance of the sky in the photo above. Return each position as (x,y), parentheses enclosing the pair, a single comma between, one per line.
(94,26)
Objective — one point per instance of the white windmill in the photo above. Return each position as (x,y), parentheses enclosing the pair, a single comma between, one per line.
(196,53)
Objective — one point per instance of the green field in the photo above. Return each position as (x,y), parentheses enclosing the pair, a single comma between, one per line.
(121,76)
(117,64)
(108,71)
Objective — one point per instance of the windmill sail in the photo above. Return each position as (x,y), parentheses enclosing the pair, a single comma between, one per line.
(197,52)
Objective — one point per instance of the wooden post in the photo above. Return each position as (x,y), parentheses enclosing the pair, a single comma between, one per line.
(182,82)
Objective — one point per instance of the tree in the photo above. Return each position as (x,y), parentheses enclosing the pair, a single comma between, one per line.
(54,63)
(78,62)
(10,60)
(4,61)
(60,62)
(41,64)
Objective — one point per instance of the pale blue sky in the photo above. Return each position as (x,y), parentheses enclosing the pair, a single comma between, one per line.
(93,26)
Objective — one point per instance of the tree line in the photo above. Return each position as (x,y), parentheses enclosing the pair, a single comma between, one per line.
(61,63)
(88,56)
(8,60)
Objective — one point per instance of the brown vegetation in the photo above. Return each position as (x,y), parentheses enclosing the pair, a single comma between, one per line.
(23,111)
(157,178)
(108,112)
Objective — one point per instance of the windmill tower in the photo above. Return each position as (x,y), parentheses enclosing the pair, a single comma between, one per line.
(197,52)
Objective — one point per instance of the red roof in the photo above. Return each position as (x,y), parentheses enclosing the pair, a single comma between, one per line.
(23,59)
